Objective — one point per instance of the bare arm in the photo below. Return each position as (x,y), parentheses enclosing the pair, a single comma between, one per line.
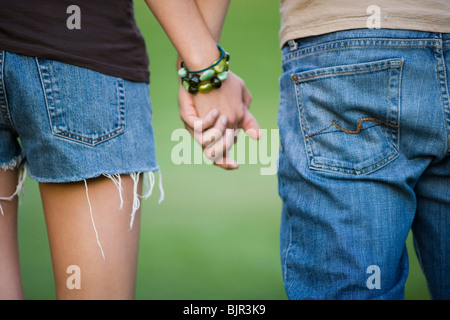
(214,13)
(188,32)
(194,28)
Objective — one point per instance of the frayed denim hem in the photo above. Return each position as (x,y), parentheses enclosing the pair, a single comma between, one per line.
(117,180)
(15,163)
(149,184)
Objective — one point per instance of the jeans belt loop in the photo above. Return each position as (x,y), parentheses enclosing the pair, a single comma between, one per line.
(292,45)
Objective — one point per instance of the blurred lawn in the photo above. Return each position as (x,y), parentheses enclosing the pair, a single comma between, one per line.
(216,234)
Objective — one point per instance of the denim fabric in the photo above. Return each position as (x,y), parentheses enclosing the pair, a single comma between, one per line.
(73,123)
(364,121)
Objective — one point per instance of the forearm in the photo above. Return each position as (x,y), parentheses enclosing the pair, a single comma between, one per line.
(187,30)
(214,13)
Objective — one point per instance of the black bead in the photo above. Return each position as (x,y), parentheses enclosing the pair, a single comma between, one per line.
(194,81)
(216,83)
(193,89)
(227,56)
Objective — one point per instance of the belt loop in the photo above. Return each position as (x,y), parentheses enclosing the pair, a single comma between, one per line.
(292,45)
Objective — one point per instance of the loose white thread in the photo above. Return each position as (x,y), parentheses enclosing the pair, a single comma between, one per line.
(136,202)
(161,197)
(118,182)
(92,219)
(149,184)
(150,180)
(19,188)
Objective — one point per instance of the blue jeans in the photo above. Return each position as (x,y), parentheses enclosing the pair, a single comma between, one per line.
(364,121)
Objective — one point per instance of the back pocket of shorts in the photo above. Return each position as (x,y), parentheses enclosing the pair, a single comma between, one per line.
(83,105)
(349,115)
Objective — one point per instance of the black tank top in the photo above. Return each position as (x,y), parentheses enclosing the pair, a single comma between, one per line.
(96,34)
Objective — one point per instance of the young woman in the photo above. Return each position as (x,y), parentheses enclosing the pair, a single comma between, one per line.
(74,90)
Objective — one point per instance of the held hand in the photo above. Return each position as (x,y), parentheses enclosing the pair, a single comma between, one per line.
(232,100)
(209,131)
(207,117)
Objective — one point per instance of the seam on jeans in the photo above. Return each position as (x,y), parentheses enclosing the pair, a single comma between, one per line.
(432,42)
(358,126)
(2,92)
(294,55)
(399,107)
(393,155)
(334,45)
(446,111)
(441,93)
(303,124)
(338,130)
(44,93)
(4,107)
(286,255)
(121,98)
(342,72)
(390,157)
(82,139)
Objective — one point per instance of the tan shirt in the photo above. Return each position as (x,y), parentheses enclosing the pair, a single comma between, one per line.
(303,18)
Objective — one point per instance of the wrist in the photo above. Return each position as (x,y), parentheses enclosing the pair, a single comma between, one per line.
(206,79)
(200,57)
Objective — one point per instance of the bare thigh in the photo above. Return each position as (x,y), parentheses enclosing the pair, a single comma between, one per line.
(10,281)
(70,215)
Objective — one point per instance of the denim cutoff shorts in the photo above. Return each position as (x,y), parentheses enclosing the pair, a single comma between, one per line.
(66,123)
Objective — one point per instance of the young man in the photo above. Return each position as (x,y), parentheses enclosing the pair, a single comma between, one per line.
(364,121)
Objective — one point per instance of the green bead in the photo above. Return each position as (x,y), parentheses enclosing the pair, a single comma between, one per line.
(207,75)
(205,87)
(220,67)
(222,76)
(186,85)
(182,72)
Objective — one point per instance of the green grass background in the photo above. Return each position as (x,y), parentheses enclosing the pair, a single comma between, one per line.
(216,234)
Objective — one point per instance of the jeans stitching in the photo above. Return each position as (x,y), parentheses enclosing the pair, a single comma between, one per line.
(358,126)
(4,105)
(2,55)
(335,45)
(372,167)
(83,139)
(44,93)
(443,99)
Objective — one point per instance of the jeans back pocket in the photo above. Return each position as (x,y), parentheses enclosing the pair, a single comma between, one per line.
(349,115)
(83,105)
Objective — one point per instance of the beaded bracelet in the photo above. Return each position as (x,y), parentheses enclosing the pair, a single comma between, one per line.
(206,79)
